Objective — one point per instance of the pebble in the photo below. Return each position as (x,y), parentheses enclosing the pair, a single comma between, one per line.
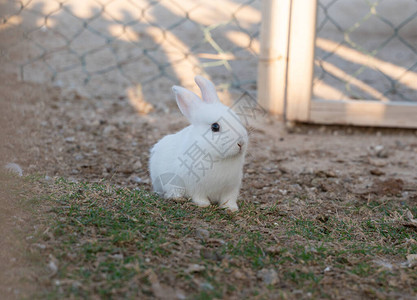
(195,268)
(206,286)
(14,168)
(202,234)
(378,162)
(283,192)
(376,172)
(381,151)
(76,284)
(79,156)
(137,165)
(108,129)
(136,179)
(268,276)
(117,256)
(211,254)
(70,139)
(74,172)
(40,246)
(412,260)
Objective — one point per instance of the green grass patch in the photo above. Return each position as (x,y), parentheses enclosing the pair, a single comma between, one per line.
(115,242)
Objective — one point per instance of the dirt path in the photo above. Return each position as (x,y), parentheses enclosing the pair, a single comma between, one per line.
(16,273)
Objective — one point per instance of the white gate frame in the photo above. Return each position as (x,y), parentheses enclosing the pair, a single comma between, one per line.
(285,74)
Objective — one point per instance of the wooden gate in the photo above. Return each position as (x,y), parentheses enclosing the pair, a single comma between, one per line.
(286,67)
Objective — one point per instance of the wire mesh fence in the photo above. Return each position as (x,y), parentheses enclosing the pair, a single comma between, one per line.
(366,49)
(132,48)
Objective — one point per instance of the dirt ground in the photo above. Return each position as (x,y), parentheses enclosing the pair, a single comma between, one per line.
(95,139)
(76,115)
(106,139)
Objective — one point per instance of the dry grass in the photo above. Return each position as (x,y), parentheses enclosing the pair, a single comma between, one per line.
(98,240)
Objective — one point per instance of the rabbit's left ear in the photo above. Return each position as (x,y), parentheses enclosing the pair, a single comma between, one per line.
(187,101)
(208,90)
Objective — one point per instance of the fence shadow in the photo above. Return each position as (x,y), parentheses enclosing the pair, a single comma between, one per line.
(136,50)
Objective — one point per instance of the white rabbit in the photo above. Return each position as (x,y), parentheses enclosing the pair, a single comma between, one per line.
(204,161)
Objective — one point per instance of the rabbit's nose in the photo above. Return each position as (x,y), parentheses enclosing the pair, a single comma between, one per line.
(240,144)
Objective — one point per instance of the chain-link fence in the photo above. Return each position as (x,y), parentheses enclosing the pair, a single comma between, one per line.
(366,49)
(132,48)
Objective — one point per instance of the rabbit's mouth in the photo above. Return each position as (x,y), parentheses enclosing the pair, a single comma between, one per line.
(238,152)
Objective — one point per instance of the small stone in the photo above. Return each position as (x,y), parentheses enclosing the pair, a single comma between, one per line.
(412,260)
(378,162)
(74,172)
(136,179)
(108,130)
(206,286)
(137,165)
(79,157)
(40,246)
(383,154)
(376,172)
(14,168)
(70,139)
(53,264)
(268,276)
(210,254)
(378,148)
(326,173)
(202,234)
(283,192)
(380,151)
(117,256)
(76,285)
(195,268)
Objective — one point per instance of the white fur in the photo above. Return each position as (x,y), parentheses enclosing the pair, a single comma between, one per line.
(216,176)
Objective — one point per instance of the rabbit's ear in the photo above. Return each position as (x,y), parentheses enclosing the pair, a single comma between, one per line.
(187,101)
(208,90)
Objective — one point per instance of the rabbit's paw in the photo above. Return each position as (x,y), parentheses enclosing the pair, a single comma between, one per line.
(174,194)
(201,202)
(232,206)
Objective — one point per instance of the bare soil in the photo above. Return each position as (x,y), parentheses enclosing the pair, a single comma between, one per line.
(50,134)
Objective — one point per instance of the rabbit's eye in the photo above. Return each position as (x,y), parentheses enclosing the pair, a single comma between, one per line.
(215,127)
